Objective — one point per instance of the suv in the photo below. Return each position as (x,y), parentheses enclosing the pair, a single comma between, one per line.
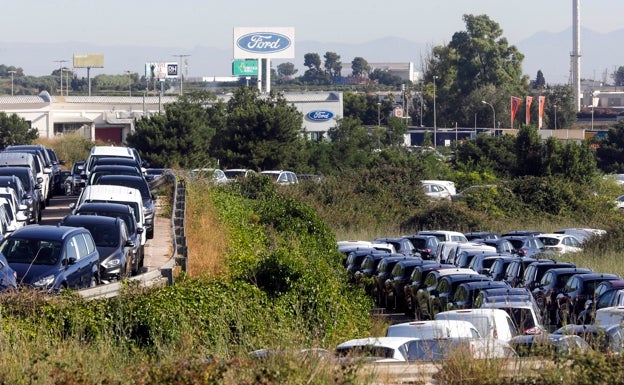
(74,182)
(526,245)
(428,289)
(28,189)
(281,177)
(578,289)
(608,293)
(51,171)
(416,281)
(425,245)
(534,271)
(53,258)
(399,278)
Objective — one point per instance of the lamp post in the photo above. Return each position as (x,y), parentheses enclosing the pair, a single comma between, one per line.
(180,69)
(61,65)
(129,82)
(592,124)
(554,105)
(378,114)
(493,114)
(12,73)
(435,125)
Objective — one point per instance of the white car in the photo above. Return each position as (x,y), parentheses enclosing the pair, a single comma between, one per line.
(560,243)
(619,202)
(435,191)
(281,177)
(376,349)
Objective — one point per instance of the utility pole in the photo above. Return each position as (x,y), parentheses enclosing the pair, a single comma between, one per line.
(61,65)
(12,73)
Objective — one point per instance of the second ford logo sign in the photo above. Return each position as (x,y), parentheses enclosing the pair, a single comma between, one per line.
(320,115)
(263,42)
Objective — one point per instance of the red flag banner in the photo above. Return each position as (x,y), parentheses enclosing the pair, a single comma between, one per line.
(540,112)
(529,101)
(515,104)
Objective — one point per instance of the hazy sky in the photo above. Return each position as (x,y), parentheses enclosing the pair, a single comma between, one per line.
(186,24)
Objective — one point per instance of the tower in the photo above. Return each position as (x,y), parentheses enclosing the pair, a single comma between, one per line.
(575,56)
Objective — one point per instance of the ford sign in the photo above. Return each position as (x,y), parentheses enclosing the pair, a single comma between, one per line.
(320,115)
(263,42)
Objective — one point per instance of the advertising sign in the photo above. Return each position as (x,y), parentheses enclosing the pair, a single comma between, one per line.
(261,43)
(89,60)
(161,70)
(245,68)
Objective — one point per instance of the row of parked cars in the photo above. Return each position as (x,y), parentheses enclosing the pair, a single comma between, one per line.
(436,274)
(104,237)
(281,177)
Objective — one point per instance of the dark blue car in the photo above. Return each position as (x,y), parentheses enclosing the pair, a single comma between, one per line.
(52,258)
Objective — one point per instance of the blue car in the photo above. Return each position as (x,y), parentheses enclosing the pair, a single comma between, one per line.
(8,276)
(52,258)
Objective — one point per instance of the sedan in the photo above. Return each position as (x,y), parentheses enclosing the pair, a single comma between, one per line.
(560,243)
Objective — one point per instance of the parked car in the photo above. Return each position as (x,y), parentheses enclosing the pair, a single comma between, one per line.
(22,179)
(113,243)
(355,259)
(119,152)
(8,276)
(19,209)
(416,282)
(481,235)
(466,293)
(439,298)
(440,329)
(377,349)
(546,290)
(521,308)
(464,257)
(425,245)
(490,189)
(74,182)
(607,294)
(34,163)
(608,316)
(238,173)
(368,268)
(578,289)
(606,340)
(548,345)
(52,258)
(153,174)
(401,245)
(491,323)
(502,245)
(139,183)
(515,270)
(43,166)
(123,211)
(384,271)
(435,191)
(395,284)
(582,234)
(281,177)
(481,263)
(526,245)
(309,178)
(447,184)
(111,169)
(445,235)
(560,243)
(534,271)
(499,268)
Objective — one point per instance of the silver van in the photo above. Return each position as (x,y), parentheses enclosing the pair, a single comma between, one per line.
(26,159)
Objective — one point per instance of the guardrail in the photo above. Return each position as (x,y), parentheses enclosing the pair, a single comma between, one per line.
(165,274)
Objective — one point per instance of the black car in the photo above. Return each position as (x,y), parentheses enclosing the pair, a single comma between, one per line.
(52,258)
(74,182)
(546,290)
(502,245)
(481,263)
(548,345)
(606,340)
(8,276)
(534,271)
(384,271)
(364,276)
(604,296)
(466,293)
(112,241)
(464,258)
(442,296)
(395,284)
(416,282)
(481,235)
(139,183)
(428,290)
(118,210)
(31,196)
(355,259)
(515,270)
(499,267)
(57,172)
(98,171)
(578,289)
(401,245)
(42,152)
(526,245)
(425,245)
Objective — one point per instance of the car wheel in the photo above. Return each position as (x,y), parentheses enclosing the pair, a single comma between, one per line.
(95,280)
(409,307)
(150,233)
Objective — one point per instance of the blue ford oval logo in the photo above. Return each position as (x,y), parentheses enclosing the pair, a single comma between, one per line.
(263,42)
(320,115)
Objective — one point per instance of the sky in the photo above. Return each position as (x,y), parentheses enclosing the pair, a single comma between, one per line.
(190,23)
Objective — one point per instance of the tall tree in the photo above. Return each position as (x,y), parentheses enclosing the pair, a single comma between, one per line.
(360,67)
(540,82)
(260,132)
(332,65)
(286,70)
(618,77)
(312,61)
(15,130)
(178,138)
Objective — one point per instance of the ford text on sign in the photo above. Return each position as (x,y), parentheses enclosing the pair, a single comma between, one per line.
(320,115)
(264,43)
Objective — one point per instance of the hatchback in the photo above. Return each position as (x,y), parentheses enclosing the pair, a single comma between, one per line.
(578,289)
(425,245)
(560,243)
(53,258)
(436,192)
(112,241)
(526,245)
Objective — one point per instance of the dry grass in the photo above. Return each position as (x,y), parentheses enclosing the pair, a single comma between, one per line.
(206,238)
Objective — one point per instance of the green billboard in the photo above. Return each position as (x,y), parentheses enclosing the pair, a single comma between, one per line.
(245,68)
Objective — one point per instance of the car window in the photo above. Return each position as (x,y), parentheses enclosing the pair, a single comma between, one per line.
(547,279)
(444,286)
(71,249)
(605,299)
(571,285)
(83,251)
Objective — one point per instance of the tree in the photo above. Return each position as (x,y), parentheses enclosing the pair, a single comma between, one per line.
(360,67)
(540,82)
(618,77)
(180,137)
(385,78)
(15,130)
(560,102)
(286,70)
(475,59)
(314,75)
(333,65)
(258,132)
(528,152)
(312,61)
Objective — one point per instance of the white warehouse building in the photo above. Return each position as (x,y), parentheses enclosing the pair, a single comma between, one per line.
(111,118)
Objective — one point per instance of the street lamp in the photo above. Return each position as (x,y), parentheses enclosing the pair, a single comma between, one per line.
(554,105)
(12,73)
(61,64)
(493,114)
(180,69)
(129,82)
(435,125)
(378,114)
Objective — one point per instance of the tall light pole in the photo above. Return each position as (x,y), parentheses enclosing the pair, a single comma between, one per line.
(435,125)
(493,114)
(378,114)
(61,65)
(180,69)
(12,73)
(129,82)
(554,105)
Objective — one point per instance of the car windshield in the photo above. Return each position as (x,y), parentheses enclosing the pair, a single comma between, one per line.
(37,252)
(128,218)
(549,241)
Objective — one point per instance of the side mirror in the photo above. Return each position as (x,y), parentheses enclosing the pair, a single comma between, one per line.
(21,216)
(129,243)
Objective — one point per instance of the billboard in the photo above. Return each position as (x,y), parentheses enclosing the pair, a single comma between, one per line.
(161,70)
(89,60)
(264,43)
(245,68)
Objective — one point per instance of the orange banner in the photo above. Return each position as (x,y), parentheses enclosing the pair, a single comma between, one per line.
(540,112)
(515,104)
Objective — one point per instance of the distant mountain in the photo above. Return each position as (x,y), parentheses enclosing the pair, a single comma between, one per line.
(549,52)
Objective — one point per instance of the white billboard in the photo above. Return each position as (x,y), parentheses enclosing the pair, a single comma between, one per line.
(161,70)
(264,43)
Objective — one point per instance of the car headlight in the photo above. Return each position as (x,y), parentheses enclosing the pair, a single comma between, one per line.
(109,264)
(44,281)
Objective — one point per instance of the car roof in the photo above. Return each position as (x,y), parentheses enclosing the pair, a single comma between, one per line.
(72,220)
(47,232)
(389,342)
(105,206)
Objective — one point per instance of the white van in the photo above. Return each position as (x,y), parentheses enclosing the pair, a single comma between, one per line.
(434,329)
(102,193)
(491,323)
(34,162)
(109,152)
